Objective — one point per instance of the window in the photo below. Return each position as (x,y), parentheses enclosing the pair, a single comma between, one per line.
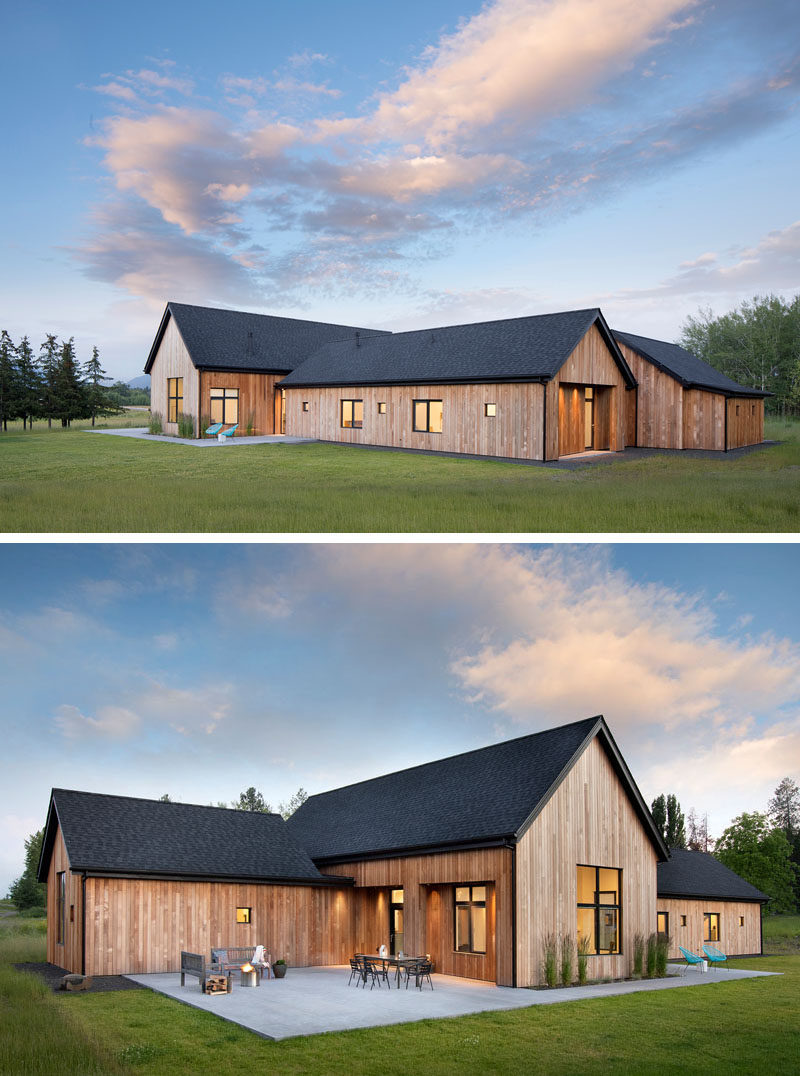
(470,919)
(737,410)
(428,416)
(225,406)
(683,920)
(711,926)
(752,409)
(662,922)
(305,405)
(242,915)
(381,408)
(174,398)
(741,920)
(352,414)
(61,901)
(490,410)
(599,903)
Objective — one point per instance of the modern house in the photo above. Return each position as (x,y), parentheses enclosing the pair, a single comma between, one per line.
(702,900)
(536,388)
(473,859)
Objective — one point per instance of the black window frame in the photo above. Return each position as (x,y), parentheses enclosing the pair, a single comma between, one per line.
(305,405)
(487,413)
(598,905)
(175,397)
(353,424)
(707,917)
(427,428)
(471,903)
(61,906)
(225,390)
(381,407)
(248,920)
(665,917)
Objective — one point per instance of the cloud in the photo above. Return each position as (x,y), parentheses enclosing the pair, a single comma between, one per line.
(110,722)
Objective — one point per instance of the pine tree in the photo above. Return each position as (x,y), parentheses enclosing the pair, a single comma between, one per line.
(48,367)
(8,380)
(29,383)
(676,824)
(784,808)
(97,398)
(70,390)
(26,892)
(251,800)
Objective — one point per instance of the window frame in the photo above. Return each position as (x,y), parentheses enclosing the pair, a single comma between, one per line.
(61,906)
(353,425)
(708,917)
(597,906)
(487,413)
(305,405)
(174,396)
(470,904)
(225,400)
(247,919)
(427,428)
(665,917)
(381,407)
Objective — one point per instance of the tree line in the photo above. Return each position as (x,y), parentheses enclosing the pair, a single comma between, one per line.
(763,847)
(52,384)
(757,344)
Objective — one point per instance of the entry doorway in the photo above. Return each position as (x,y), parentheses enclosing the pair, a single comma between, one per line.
(396,922)
(584,418)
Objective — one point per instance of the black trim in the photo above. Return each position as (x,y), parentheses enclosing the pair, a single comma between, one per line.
(544,422)
(353,424)
(513,919)
(470,903)
(502,841)
(170,876)
(728,899)
(83,923)
(427,428)
(725,448)
(243,370)
(387,383)
(754,393)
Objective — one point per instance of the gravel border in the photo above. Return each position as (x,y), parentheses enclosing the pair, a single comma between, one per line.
(52,974)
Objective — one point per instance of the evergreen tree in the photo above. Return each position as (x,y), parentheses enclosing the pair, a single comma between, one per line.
(659,813)
(29,383)
(48,367)
(26,892)
(98,400)
(761,855)
(251,800)
(295,801)
(784,808)
(669,820)
(70,391)
(8,380)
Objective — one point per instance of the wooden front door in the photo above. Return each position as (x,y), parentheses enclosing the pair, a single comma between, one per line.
(571,419)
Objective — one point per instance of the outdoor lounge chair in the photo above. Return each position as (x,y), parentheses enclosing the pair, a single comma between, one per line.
(230,431)
(714,956)
(690,957)
(212,431)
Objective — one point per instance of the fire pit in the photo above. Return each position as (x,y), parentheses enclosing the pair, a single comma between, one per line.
(248,975)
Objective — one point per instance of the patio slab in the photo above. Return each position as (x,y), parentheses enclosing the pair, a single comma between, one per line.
(314,1000)
(140,433)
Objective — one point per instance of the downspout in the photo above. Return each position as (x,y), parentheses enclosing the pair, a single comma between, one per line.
(513,915)
(83,923)
(761,930)
(544,422)
(726,423)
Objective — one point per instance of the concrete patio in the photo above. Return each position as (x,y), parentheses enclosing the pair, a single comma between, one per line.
(312,1000)
(140,433)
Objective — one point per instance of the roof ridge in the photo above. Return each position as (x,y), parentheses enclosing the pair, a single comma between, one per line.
(486,321)
(275,317)
(166,803)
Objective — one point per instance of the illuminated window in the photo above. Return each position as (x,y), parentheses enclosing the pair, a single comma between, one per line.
(662,922)
(711,926)
(683,920)
(470,919)
(490,410)
(174,398)
(242,915)
(428,416)
(599,904)
(225,406)
(741,920)
(381,408)
(737,409)
(61,901)
(352,414)
(305,405)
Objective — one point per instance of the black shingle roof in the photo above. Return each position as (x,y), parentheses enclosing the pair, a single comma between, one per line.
(698,874)
(485,796)
(684,366)
(138,836)
(218,339)
(518,348)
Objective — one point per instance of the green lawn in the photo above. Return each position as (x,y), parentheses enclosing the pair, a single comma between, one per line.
(781,934)
(746,1027)
(67,480)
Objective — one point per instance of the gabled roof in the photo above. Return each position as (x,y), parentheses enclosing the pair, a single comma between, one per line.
(530,348)
(484,797)
(699,874)
(220,339)
(684,366)
(124,835)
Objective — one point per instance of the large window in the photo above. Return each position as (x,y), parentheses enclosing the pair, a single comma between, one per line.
(428,416)
(470,918)
(61,903)
(711,926)
(174,398)
(352,414)
(662,922)
(225,406)
(599,904)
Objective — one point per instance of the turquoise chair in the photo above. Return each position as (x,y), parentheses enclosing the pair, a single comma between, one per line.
(714,956)
(212,430)
(690,958)
(231,431)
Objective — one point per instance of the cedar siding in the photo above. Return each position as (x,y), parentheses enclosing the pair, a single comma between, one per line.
(589,820)
(69,953)
(745,422)
(172,359)
(256,398)
(734,939)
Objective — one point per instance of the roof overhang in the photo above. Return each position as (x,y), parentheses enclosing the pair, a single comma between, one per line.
(508,379)
(713,896)
(162,328)
(505,840)
(282,372)
(324,881)
(687,384)
(50,830)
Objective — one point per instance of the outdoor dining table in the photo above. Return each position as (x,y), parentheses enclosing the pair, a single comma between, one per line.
(397,962)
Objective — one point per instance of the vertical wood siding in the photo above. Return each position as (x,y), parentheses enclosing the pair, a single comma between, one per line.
(590,364)
(515,432)
(256,397)
(735,940)
(69,954)
(142,925)
(660,404)
(589,820)
(172,360)
(745,422)
(703,419)
(427,882)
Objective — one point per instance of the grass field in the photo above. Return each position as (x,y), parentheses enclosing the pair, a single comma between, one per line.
(751,1026)
(781,934)
(68,480)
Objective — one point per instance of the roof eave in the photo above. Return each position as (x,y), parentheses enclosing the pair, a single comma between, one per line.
(498,841)
(509,379)
(734,899)
(199,876)
(162,328)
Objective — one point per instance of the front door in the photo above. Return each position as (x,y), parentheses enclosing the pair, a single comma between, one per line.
(588,423)
(396,922)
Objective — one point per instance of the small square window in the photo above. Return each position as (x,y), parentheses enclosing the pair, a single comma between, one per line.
(381,408)
(490,410)
(305,405)
(242,915)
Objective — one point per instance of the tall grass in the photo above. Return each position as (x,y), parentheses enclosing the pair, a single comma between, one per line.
(550,960)
(567,950)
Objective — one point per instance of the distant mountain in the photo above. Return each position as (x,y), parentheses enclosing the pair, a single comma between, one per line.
(140,382)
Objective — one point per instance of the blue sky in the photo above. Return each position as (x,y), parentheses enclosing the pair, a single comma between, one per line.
(434,163)
(200,669)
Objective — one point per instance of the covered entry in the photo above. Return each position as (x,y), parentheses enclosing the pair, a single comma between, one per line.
(584,418)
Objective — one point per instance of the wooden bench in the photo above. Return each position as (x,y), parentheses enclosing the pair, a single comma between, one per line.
(194,964)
